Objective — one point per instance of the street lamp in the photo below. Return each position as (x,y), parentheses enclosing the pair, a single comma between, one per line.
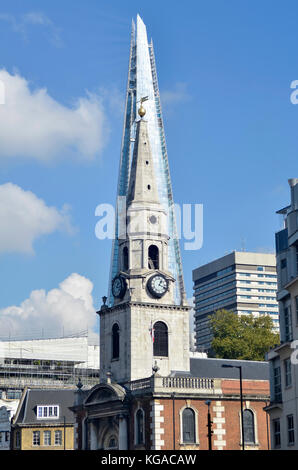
(209,425)
(241,398)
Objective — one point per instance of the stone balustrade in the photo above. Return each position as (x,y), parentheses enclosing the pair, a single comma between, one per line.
(157,383)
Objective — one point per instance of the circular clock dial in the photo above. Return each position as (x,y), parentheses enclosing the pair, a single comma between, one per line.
(118,286)
(158,285)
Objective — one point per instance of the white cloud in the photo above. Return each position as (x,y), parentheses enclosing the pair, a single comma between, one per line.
(179,94)
(36,126)
(24,218)
(68,308)
(34,18)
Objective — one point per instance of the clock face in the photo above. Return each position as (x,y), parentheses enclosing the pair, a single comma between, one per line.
(118,287)
(158,285)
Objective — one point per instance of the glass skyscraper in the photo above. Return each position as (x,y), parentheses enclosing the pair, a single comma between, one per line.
(142,82)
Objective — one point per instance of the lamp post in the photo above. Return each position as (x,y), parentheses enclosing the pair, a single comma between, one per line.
(241,398)
(209,425)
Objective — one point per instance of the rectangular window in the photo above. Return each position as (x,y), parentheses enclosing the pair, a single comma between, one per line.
(277,384)
(48,411)
(36,438)
(47,438)
(291,434)
(276,433)
(283,263)
(288,372)
(58,438)
(288,323)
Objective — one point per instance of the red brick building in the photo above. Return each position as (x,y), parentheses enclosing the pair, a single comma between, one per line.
(170,413)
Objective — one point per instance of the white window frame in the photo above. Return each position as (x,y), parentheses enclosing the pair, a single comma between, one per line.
(35,434)
(58,432)
(196,426)
(43,411)
(256,443)
(48,433)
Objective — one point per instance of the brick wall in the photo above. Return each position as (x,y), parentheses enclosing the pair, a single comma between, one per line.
(225,414)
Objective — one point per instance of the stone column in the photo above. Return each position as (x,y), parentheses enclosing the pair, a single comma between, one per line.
(123,444)
(93,436)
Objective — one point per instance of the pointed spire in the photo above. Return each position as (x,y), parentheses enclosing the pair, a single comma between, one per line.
(142,81)
(142,186)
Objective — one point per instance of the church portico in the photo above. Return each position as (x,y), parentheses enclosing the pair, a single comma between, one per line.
(107,417)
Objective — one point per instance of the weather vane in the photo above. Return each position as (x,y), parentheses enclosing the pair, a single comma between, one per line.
(142,110)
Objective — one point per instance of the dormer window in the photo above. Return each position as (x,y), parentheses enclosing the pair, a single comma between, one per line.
(47,411)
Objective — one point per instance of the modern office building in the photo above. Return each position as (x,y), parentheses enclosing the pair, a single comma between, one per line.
(283,409)
(242,282)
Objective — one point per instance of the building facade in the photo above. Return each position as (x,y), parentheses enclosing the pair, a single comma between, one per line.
(242,282)
(7,411)
(53,362)
(152,391)
(170,413)
(44,421)
(283,409)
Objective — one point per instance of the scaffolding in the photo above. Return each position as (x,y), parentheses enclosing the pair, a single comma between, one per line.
(50,363)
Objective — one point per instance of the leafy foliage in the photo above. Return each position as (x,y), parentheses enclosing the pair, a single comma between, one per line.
(241,337)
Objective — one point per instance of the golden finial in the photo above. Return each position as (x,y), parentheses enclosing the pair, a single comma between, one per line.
(142,110)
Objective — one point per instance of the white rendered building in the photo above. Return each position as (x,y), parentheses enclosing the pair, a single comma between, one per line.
(283,409)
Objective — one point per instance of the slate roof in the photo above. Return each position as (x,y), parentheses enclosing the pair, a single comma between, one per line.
(34,397)
(212,368)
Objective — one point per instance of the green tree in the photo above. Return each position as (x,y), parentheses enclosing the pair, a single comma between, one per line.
(241,337)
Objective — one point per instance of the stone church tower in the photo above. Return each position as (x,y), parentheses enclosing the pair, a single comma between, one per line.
(144,328)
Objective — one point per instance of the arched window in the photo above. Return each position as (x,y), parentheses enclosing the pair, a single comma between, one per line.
(115,341)
(160,344)
(125,258)
(249,426)
(188,426)
(153,257)
(110,443)
(140,427)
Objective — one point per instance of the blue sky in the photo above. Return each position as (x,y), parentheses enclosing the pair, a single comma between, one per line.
(224,70)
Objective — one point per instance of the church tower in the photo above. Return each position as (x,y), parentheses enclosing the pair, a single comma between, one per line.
(145,325)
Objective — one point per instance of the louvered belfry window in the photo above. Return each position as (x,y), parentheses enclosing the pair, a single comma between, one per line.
(160,345)
(115,341)
(125,258)
(188,422)
(153,257)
